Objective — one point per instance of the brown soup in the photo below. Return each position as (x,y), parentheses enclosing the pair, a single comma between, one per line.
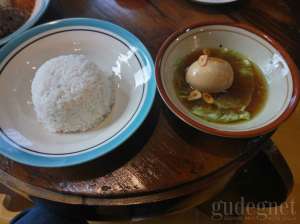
(242,101)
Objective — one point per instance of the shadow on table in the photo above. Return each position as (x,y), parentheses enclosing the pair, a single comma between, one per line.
(215,145)
(51,14)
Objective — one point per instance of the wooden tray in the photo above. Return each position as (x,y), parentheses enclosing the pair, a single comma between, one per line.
(165,159)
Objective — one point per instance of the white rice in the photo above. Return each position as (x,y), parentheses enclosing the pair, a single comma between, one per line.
(71,94)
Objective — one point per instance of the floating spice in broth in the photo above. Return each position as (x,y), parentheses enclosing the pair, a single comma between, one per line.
(242,101)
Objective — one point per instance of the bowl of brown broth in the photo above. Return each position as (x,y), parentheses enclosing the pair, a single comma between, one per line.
(16,16)
(228,80)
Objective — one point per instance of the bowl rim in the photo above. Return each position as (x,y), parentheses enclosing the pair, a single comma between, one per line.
(213,2)
(223,133)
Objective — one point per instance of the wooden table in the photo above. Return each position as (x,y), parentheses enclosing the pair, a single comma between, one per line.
(166,166)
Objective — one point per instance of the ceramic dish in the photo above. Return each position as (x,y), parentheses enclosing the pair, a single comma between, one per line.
(214,2)
(114,49)
(279,70)
(39,9)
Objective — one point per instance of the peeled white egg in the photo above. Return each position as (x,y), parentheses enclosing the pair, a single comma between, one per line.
(209,74)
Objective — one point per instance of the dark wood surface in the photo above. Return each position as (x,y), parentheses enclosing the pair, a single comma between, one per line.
(165,159)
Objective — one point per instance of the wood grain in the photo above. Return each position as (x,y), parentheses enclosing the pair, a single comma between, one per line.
(164,155)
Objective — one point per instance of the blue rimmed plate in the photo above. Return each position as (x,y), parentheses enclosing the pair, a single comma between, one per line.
(39,9)
(115,50)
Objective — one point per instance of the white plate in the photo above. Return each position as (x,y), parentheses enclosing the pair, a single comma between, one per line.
(113,49)
(214,1)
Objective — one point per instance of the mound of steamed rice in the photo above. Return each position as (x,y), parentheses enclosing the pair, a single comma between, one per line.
(71,94)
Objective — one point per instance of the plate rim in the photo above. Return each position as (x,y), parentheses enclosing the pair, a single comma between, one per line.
(12,152)
(29,23)
(210,2)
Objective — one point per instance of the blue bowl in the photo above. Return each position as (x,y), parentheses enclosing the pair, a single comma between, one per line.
(20,132)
